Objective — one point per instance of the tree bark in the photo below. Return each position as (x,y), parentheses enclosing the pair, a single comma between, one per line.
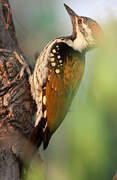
(16,104)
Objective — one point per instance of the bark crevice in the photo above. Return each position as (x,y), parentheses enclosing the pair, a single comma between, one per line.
(16,104)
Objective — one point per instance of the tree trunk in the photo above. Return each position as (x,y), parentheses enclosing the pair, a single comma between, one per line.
(16,104)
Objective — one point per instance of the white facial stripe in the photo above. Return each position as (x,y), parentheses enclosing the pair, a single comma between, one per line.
(89,38)
(82,42)
(79,43)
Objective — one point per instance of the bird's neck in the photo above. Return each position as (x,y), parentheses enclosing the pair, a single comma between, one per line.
(78,42)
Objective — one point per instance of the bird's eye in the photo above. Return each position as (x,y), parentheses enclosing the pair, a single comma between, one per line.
(80,21)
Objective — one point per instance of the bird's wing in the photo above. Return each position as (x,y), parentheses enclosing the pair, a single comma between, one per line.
(58,90)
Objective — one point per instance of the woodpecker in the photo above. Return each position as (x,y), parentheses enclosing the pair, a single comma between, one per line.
(58,73)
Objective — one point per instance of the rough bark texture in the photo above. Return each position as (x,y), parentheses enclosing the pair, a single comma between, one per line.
(16,104)
(10,165)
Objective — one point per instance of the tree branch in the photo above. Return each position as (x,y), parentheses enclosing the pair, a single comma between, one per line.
(6,40)
(9,21)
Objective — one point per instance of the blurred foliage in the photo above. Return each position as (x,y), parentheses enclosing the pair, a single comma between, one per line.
(85,145)
(34,172)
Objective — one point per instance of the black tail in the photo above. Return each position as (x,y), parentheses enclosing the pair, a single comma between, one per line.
(37,134)
(46,138)
(40,135)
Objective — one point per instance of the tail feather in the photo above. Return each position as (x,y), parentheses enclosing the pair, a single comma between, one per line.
(37,134)
(46,138)
(40,135)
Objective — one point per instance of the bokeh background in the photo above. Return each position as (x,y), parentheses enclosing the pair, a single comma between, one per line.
(85,145)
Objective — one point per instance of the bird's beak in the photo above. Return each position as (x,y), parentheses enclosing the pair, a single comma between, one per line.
(73,17)
(70,11)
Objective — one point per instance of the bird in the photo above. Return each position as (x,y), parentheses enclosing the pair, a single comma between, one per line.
(58,73)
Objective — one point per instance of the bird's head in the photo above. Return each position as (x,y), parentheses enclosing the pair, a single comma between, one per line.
(86,32)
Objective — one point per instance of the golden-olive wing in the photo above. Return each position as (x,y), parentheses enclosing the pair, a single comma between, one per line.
(65,70)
